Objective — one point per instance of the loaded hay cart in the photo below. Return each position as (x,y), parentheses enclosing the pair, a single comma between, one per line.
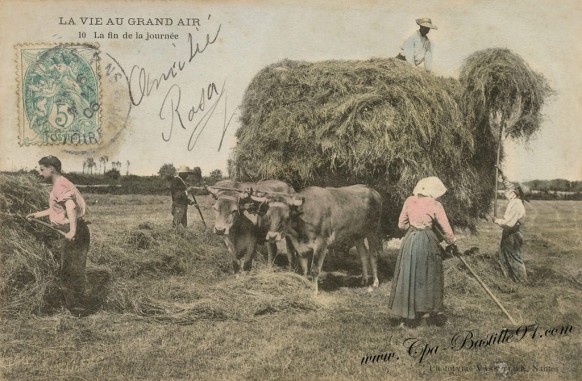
(384,123)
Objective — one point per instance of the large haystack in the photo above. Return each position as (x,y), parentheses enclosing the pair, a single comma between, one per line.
(29,271)
(29,254)
(497,80)
(380,122)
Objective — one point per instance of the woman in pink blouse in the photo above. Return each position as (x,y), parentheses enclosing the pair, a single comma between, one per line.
(66,212)
(418,282)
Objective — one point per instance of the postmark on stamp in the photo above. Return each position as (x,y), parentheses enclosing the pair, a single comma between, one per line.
(59,88)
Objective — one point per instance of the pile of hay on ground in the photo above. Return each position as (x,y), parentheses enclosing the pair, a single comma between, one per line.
(233,298)
(380,122)
(29,270)
(158,249)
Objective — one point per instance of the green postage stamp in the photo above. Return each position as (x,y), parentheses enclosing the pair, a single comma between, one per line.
(59,95)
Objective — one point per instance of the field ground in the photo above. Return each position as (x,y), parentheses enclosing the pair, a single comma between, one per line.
(320,337)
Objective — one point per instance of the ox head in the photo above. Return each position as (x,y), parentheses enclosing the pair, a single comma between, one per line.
(280,215)
(228,206)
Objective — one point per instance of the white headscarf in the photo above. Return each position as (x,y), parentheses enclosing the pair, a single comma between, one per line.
(430,186)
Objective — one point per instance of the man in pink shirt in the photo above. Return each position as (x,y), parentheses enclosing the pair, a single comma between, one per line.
(66,212)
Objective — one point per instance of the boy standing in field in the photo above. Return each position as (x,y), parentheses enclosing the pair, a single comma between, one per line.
(510,256)
(65,212)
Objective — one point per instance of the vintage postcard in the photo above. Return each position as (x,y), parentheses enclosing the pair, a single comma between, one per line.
(290,190)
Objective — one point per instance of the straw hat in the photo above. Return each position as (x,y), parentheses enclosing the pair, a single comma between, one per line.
(520,191)
(430,186)
(184,169)
(426,22)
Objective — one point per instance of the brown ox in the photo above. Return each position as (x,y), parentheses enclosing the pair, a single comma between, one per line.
(241,228)
(317,219)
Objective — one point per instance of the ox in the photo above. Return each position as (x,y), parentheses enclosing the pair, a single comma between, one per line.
(241,222)
(317,219)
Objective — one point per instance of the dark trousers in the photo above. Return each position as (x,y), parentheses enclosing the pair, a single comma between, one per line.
(510,255)
(180,213)
(72,266)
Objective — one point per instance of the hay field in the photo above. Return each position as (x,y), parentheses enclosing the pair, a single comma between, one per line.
(174,312)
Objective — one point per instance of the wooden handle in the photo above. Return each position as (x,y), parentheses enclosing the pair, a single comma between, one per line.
(497,170)
(47,225)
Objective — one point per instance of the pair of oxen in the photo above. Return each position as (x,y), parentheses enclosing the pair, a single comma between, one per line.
(311,222)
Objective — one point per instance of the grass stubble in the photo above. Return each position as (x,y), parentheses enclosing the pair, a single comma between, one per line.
(169,308)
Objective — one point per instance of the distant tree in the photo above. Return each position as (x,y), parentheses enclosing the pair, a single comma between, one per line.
(84,165)
(196,176)
(561,185)
(91,164)
(113,174)
(167,171)
(214,177)
(230,168)
(127,172)
(104,159)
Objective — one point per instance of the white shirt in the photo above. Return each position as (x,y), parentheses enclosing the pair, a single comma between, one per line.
(514,213)
(417,49)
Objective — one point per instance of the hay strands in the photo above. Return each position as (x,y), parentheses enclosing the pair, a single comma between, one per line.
(457,254)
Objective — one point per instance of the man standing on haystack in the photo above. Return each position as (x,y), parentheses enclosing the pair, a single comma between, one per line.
(180,199)
(511,240)
(66,212)
(417,48)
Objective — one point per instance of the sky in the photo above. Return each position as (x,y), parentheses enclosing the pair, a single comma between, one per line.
(252,35)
